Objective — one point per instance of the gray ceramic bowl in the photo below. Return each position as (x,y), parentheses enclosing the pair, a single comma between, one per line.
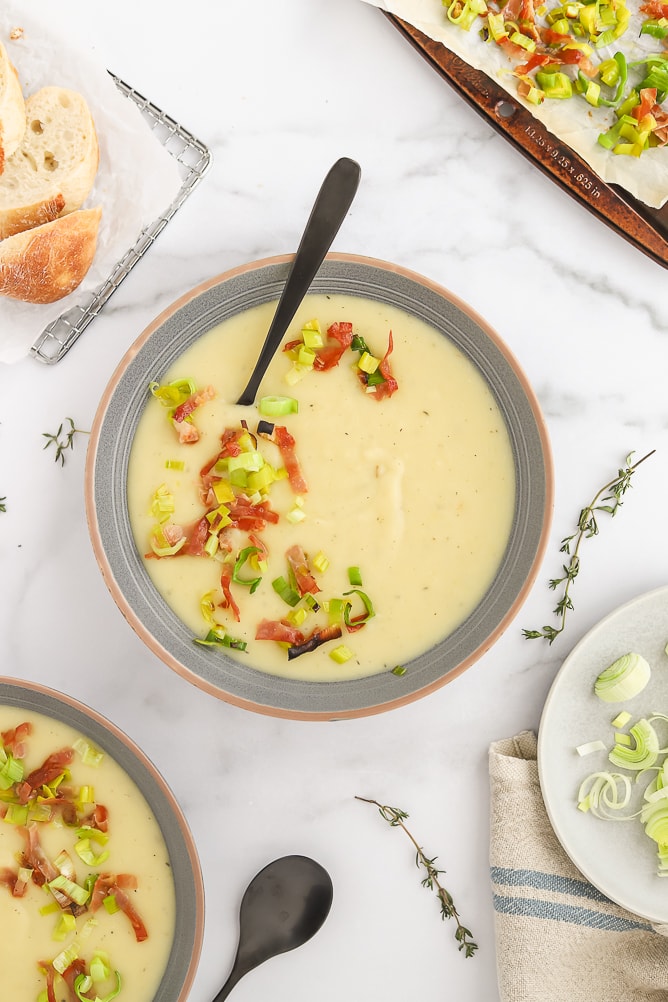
(111,440)
(184,955)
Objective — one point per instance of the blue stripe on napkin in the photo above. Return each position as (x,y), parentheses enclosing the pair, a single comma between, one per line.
(545,882)
(575,914)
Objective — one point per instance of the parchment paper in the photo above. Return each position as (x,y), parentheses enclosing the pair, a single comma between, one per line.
(137,178)
(573,121)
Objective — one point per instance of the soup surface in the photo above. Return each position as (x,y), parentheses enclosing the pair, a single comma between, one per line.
(85,879)
(413,485)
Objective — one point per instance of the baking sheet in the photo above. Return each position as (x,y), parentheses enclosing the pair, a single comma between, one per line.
(642,225)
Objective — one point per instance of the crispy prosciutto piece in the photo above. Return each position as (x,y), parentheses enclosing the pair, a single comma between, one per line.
(14,740)
(654,8)
(10,878)
(304,579)
(286,445)
(389,384)
(329,355)
(226,585)
(50,769)
(70,974)
(280,631)
(250,516)
(185,409)
(314,640)
(118,886)
(35,858)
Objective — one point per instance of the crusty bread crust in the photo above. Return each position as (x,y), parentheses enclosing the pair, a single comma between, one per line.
(12,108)
(52,171)
(48,262)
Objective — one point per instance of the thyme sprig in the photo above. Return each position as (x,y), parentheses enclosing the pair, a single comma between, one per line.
(64,443)
(607,501)
(396,817)
(3,505)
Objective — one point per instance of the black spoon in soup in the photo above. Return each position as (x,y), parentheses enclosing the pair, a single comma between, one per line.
(283,906)
(329,210)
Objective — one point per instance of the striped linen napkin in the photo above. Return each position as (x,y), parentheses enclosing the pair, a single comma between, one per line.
(558,939)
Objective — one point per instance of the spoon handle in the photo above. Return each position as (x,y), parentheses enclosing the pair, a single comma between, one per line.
(328,212)
(236,975)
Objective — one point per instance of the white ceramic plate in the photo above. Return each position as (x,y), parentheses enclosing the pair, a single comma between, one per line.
(616,857)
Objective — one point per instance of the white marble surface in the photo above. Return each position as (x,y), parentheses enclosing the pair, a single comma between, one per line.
(279,91)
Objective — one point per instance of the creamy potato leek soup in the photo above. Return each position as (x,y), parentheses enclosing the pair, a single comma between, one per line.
(351,518)
(87,903)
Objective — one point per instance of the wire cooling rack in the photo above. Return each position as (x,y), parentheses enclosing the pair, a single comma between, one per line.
(194,159)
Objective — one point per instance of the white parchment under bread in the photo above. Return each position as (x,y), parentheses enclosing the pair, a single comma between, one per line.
(136,181)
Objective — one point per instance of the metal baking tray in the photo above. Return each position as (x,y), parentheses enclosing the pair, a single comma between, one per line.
(194,159)
(644,227)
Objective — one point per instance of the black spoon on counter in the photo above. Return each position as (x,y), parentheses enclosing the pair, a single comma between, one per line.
(283,906)
(329,210)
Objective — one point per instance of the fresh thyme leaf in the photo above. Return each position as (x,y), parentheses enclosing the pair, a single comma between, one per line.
(62,444)
(395,818)
(3,506)
(607,501)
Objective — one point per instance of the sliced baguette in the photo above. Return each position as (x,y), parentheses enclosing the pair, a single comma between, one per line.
(52,171)
(12,108)
(49,261)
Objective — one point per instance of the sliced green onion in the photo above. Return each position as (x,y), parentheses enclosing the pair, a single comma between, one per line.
(623,679)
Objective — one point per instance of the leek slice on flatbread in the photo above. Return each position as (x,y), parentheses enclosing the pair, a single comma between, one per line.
(573,121)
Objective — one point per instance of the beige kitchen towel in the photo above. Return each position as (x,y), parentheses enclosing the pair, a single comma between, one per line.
(558,939)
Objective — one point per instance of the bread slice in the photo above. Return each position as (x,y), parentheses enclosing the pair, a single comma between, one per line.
(49,261)
(52,171)
(12,108)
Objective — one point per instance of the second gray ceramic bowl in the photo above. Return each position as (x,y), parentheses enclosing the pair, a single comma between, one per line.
(122,566)
(184,955)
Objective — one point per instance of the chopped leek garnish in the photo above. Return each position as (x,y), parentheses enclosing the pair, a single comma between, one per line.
(399,670)
(368,606)
(623,679)
(84,983)
(216,638)
(289,594)
(590,746)
(89,754)
(341,654)
(69,888)
(171,395)
(643,750)
(242,558)
(355,576)
(278,406)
